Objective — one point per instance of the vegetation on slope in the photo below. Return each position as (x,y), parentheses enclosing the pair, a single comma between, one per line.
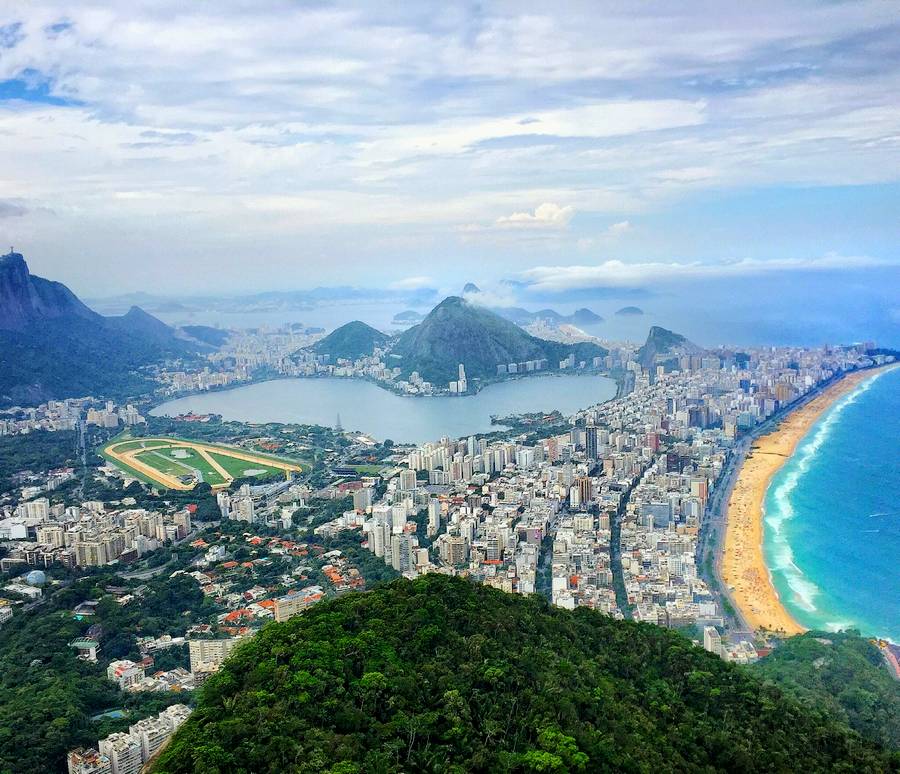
(49,699)
(844,673)
(441,675)
(457,331)
(214,337)
(351,341)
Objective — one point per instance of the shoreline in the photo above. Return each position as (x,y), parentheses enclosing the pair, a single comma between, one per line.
(744,571)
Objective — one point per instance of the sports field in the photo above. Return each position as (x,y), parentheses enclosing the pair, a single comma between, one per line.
(176,463)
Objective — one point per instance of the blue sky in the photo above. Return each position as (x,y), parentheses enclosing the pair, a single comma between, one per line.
(273,144)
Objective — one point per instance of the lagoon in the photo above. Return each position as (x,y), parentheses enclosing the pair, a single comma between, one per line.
(365,406)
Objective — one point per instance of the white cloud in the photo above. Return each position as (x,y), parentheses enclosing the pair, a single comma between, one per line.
(493,297)
(279,124)
(615,273)
(546,215)
(412,283)
(616,229)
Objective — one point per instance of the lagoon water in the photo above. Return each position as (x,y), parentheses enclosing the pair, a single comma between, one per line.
(367,407)
(832,524)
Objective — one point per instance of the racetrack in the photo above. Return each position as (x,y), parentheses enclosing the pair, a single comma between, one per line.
(134,456)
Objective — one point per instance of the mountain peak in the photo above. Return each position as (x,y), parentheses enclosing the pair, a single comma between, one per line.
(351,341)
(661,342)
(457,331)
(61,347)
(12,259)
(26,299)
(471,287)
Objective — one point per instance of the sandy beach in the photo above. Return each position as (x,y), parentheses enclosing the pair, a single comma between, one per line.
(743,565)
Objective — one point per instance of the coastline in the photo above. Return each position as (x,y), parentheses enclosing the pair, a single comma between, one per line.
(743,567)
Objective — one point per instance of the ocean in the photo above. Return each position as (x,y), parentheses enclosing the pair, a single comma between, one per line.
(832,516)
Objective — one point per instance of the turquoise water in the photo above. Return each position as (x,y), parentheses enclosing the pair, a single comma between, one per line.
(832,523)
(371,409)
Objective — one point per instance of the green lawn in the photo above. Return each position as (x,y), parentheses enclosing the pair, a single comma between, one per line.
(163,460)
(237,468)
(128,446)
(369,470)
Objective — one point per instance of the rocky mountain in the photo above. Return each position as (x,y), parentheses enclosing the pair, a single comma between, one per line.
(53,346)
(444,675)
(457,331)
(26,300)
(662,342)
(630,311)
(350,341)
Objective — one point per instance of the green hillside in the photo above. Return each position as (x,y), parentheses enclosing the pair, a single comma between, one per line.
(457,331)
(351,341)
(844,673)
(442,675)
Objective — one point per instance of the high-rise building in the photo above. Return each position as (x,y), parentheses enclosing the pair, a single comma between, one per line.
(591,446)
(434,517)
(407,480)
(208,655)
(712,641)
(124,753)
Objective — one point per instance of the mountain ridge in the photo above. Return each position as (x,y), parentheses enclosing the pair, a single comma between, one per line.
(52,345)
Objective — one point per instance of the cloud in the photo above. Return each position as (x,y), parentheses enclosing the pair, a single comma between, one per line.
(492,297)
(10,210)
(547,215)
(412,283)
(622,227)
(333,131)
(616,273)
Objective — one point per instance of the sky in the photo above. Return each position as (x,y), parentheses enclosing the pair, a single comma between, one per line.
(253,145)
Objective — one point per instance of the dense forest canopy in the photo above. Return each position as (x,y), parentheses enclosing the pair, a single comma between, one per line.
(442,675)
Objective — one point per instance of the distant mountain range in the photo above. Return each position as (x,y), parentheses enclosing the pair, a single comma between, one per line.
(457,331)
(662,343)
(53,346)
(285,301)
(627,311)
(351,341)
(408,317)
(524,317)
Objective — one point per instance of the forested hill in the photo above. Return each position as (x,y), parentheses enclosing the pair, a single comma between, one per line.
(457,331)
(843,672)
(442,675)
(351,341)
